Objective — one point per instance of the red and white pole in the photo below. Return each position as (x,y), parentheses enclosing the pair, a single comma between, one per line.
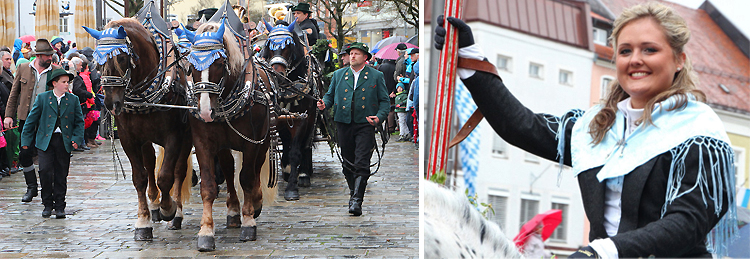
(443,109)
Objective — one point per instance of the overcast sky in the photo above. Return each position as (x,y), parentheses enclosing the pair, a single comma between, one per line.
(737,11)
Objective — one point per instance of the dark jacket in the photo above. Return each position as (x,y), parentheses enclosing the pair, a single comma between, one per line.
(79,89)
(643,232)
(400,68)
(388,67)
(310,23)
(6,83)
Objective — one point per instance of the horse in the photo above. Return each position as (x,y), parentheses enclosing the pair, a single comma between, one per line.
(300,86)
(454,228)
(129,57)
(233,113)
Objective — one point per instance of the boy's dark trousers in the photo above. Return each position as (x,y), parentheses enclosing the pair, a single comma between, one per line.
(53,172)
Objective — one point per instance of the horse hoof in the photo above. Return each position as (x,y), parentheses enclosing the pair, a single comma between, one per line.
(248,233)
(155,215)
(304,181)
(291,195)
(285,176)
(206,243)
(233,221)
(167,217)
(256,213)
(176,223)
(144,234)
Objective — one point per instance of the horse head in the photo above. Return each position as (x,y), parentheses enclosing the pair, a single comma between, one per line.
(215,62)
(121,48)
(283,50)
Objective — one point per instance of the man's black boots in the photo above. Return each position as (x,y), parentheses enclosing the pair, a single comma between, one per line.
(31,185)
(360,184)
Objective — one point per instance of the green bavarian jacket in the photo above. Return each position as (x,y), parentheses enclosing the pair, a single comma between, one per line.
(43,116)
(351,105)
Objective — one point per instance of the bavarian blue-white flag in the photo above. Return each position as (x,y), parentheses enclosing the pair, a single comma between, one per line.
(469,148)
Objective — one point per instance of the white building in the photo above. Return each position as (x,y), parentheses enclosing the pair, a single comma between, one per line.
(546,64)
(26,20)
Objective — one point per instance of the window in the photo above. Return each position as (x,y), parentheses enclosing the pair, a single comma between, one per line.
(600,36)
(739,167)
(536,70)
(499,147)
(606,80)
(566,77)
(529,209)
(63,24)
(504,63)
(561,230)
(499,204)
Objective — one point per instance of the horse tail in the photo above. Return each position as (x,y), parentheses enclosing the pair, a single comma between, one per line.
(186,183)
(237,169)
(473,236)
(269,193)
(157,168)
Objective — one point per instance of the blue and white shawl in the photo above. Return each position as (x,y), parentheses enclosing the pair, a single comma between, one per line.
(105,51)
(675,131)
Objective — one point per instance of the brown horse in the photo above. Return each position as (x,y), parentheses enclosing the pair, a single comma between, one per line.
(129,57)
(300,85)
(233,114)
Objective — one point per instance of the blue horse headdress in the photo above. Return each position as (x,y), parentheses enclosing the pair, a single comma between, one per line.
(203,58)
(186,37)
(104,51)
(280,36)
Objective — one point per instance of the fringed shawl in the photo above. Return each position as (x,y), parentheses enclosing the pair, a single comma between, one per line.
(103,52)
(694,125)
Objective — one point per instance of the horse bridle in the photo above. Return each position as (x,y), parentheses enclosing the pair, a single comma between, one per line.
(124,80)
(205,86)
(278,59)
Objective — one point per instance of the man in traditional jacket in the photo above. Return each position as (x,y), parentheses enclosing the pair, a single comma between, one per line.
(359,100)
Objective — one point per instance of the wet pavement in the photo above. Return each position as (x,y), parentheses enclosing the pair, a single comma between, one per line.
(101,209)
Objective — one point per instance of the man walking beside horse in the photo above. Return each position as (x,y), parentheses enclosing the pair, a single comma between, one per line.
(360,102)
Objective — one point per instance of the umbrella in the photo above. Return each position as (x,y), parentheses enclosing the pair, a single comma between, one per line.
(388,41)
(414,40)
(84,16)
(550,219)
(47,19)
(7,23)
(27,38)
(389,51)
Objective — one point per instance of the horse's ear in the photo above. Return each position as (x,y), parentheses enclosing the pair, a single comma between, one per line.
(94,33)
(221,30)
(178,31)
(190,35)
(121,34)
(291,26)
(268,25)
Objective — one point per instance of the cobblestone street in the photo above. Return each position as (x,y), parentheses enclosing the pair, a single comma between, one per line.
(101,209)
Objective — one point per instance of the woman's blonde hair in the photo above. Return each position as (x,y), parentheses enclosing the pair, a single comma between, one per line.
(685,81)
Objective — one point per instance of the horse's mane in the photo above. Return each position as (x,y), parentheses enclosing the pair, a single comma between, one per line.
(234,54)
(454,228)
(141,39)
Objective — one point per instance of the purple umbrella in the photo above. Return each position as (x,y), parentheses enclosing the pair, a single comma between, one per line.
(389,51)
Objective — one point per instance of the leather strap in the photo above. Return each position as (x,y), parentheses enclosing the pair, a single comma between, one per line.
(478,65)
(468,127)
(477,116)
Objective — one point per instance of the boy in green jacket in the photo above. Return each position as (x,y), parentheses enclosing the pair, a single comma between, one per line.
(56,122)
